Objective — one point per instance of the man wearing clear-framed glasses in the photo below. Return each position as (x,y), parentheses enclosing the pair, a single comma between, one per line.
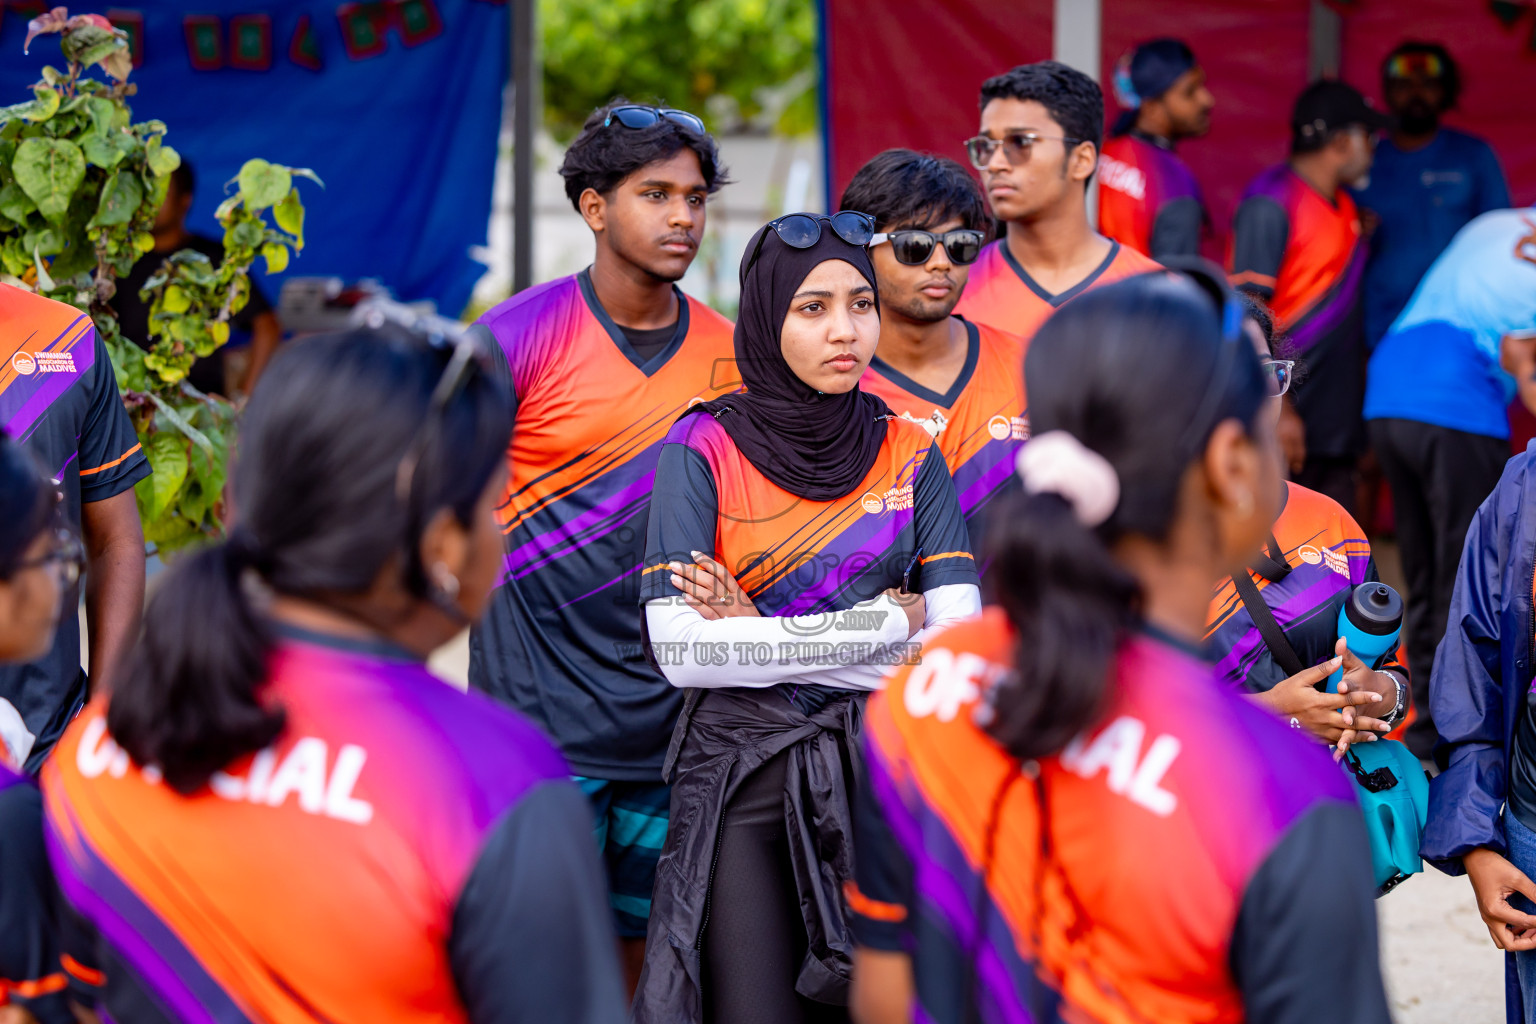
(1038,148)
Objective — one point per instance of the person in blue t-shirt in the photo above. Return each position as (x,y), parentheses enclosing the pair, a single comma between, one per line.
(1436,395)
(1427,181)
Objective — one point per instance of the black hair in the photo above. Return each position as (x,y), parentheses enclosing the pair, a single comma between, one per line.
(602,157)
(184,177)
(314,489)
(1259,313)
(1090,375)
(1450,78)
(27,503)
(903,187)
(1073,99)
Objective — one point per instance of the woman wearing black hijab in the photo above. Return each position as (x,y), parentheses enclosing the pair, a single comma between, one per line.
(801,541)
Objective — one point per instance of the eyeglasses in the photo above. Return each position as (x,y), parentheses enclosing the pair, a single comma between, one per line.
(67,553)
(637,116)
(1411,65)
(1277,375)
(466,358)
(803,230)
(1016,146)
(913,246)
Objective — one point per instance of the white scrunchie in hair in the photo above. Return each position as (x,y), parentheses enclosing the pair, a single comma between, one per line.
(1055,462)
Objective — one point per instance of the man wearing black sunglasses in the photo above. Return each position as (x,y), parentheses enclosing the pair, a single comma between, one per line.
(1041,125)
(964,382)
(601,364)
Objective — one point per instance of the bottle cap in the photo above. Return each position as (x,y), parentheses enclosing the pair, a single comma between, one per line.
(1374,608)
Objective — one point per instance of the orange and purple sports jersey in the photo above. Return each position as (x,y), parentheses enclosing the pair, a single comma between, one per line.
(979,424)
(1305,257)
(321,878)
(794,556)
(1001,293)
(58,397)
(1148,198)
(1322,556)
(561,640)
(1111,888)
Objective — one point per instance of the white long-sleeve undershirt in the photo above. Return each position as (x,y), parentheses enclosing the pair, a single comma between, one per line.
(852,649)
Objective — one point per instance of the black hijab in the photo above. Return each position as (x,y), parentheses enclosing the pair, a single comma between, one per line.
(814,445)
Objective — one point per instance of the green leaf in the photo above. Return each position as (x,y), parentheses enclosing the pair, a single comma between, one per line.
(277,257)
(289,215)
(44,282)
(120,199)
(87,44)
(105,152)
(247,234)
(77,258)
(305,172)
(263,184)
(41,108)
(163,159)
(15,204)
(176,300)
(180,422)
(49,171)
(102,113)
(227,207)
(218,330)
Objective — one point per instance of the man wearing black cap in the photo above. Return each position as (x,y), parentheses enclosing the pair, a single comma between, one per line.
(1148,197)
(1297,245)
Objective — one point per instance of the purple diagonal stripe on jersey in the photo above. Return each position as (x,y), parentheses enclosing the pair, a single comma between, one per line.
(599,519)
(137,933)
(1330,312)
(23,403)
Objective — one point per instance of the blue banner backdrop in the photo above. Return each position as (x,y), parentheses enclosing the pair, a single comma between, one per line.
(396,105)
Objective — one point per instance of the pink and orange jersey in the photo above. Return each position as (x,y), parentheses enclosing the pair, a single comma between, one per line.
(320,879)
(1109,886)
(1304,255)
(1001,293)
(561,640)
(1318,554)
(1148,198)
(58,397)
(979,424)
(794,556)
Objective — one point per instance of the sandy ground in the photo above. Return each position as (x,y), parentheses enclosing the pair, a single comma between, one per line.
(1440,965)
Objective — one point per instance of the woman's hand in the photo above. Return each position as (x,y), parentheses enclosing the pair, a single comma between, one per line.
(709,587)
(915,607)
(1367,719)
(1318,713)
(1494,880)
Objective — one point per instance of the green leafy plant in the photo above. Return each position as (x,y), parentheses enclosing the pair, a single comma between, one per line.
(80,184)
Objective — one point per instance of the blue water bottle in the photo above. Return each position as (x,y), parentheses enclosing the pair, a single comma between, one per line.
(1369,622)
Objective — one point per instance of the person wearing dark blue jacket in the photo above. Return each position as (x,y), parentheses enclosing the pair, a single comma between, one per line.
(1482,806)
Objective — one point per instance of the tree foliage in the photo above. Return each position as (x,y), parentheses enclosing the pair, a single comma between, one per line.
(80,183)
(732,61)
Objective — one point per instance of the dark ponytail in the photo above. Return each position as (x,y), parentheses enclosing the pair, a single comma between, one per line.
(1126,370)
(27,502)
(314,488)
